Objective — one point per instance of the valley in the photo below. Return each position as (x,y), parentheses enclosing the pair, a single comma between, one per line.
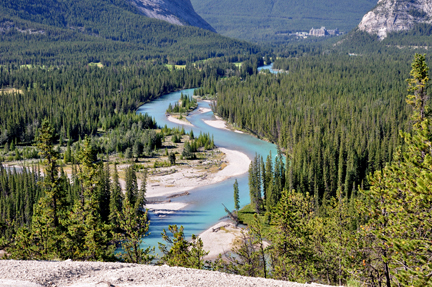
(153,137)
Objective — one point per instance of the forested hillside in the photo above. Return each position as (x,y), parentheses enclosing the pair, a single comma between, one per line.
(351,203)
(270,21)
(336,117)
(38,31)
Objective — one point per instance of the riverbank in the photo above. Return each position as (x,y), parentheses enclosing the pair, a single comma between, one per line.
(219,123)
(220,238)
(175,120)
(181,179)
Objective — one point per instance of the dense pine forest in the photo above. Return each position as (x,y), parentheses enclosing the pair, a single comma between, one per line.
(59,32)
(375,234)
(336,117)
(345,201)
(81,101)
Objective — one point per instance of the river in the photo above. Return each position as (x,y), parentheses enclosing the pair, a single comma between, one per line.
(205,203)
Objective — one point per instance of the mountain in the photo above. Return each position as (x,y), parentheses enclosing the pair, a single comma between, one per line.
(270,20)
(179,12)
(396,15)
(50,30)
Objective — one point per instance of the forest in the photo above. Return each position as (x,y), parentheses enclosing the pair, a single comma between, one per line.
(375,234)
(47,32)
(336,117)
(345,201)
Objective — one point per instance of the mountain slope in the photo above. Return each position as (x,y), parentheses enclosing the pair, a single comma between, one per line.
(46,29)
(266,20)
(179,12)
(396,15)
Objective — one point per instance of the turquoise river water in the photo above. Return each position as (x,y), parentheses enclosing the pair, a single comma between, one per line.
(205,203)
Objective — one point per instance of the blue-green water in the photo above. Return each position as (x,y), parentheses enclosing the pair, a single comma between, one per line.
(268,67)
(205,203)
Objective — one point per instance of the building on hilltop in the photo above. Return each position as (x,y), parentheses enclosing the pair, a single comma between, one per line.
(318,32)
(323,32)
(334,32)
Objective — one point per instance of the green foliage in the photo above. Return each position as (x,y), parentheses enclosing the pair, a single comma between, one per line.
(88,237)
(187,152)
(172,158)
(116,199)
(185,105)
(177,251)
(131,192)
(134,226)
(400,198)
(100,30)
(236,196)
(279,18)
(336,117)
(379,237)
(20,191)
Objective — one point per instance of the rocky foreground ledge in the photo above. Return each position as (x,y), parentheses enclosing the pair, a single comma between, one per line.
(89,274)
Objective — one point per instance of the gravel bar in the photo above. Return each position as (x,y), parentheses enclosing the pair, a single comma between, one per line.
(92,274)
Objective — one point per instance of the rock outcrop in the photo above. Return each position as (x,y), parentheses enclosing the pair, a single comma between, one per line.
(396,15)
(98,274)
(179,12)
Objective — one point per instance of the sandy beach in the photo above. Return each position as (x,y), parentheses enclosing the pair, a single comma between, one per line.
(219,123)
(179,179)
(179,122)
(201,111)
(184,178)
(219,238)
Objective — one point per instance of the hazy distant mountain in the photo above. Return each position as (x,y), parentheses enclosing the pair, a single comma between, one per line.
(396,15)
(42,29)
(267,20)
(179,12)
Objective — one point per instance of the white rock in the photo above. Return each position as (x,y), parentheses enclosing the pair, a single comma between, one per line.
(396,15)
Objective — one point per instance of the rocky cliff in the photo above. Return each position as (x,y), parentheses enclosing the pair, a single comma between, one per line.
(179,12)
(396,15)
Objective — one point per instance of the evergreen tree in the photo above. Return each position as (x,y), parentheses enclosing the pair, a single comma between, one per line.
(134,227)
(236,196)
(116,199)
(104,191)
(141,199)
(131,191)
(68,153)
(88,236)
(400,197)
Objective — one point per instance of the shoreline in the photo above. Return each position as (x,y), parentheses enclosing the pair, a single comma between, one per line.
(219,238)
(186,178)
(179,122)
(219,123)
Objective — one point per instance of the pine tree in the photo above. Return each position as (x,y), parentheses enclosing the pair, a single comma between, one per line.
(400,198)
(88,236)
(52,181)
(116,199)
(68,153)
(236,196)
(104,191)
(134,227)
(141,199)
(176,249)
(131,191)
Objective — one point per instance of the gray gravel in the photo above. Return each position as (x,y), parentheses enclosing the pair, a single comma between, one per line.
(92,274)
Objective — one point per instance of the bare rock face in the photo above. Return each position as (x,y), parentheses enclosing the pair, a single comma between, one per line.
(396,15)
(179,12)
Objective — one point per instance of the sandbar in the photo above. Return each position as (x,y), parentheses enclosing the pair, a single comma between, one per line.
(179,122)
(181,178)
(219,124)
(219,238)
(201,111)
